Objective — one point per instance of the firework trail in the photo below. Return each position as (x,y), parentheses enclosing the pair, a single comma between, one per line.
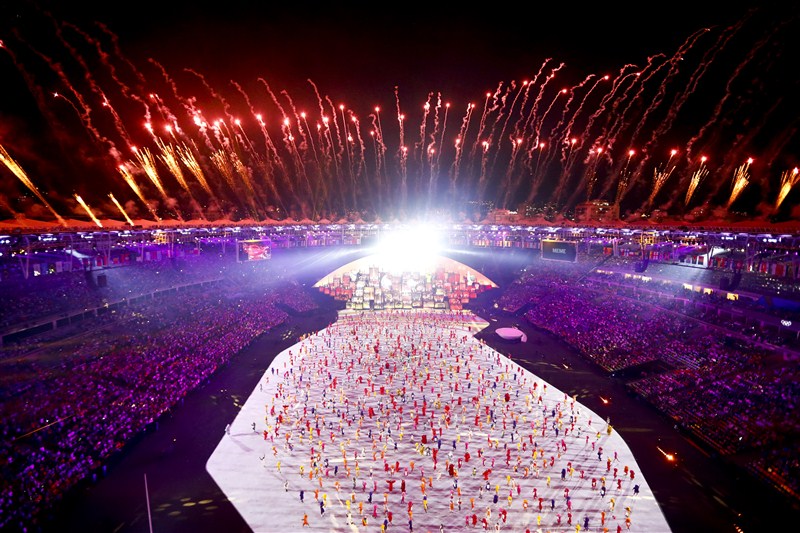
(247,144)
(187,103)
(789,179)
(88,211)
(489,140)
(611,95)
(224,166)
(361,164)
(441,136)
(92,84)
(558,138)
(484,160)
(482,122)
(566,161)
(432,151)
(378,150)
(630,111)
(121,210)
(274,98)
(460,148)
(519,128)
(522,125)
(326,145)
(34,88)
(300,170)
(298,121)
(18,171)
(213,92)
(339,148)
(540,122)
(530,121)
(558,134)
(741,178)
(534,171)
(498,104)
(715,116)
(271,157)
(402,151)
(601,110)
(620,120)
(380,157)
(118,52)
(515,140)
(347,150)
(321,191)
(84,114)
(674,62)
(427,145)
(169,157)
(105,59)
(538,176)
(691,86)
(127,175)
(244,174)
(421,145)
(609,135)
(306,137)
(501,135)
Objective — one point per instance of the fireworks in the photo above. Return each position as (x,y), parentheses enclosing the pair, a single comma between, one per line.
(88,211)
(660,176)
(190,161)
(533,142)
(789,179)
(741,178)
(121,210)
(17,170)
(127,175)
(695,179)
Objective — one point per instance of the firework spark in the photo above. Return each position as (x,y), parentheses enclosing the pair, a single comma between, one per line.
(88,211)
(789,179)
(660,176)
(121,210)
(697,176)
(127,175)
(529,144)
(741,178)
(18,171)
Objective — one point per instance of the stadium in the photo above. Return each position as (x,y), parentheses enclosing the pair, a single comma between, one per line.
(337,270)
(111,332)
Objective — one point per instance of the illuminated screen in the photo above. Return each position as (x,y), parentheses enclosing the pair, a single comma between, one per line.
(254,250)
(559,251)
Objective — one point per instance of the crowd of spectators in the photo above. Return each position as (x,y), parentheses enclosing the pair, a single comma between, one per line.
(67,407)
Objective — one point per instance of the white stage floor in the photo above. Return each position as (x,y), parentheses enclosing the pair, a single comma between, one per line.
(350,415)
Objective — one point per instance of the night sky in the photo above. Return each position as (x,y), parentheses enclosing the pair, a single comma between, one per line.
(720,83)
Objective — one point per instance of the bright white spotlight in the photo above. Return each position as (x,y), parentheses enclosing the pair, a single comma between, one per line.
(409,250)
